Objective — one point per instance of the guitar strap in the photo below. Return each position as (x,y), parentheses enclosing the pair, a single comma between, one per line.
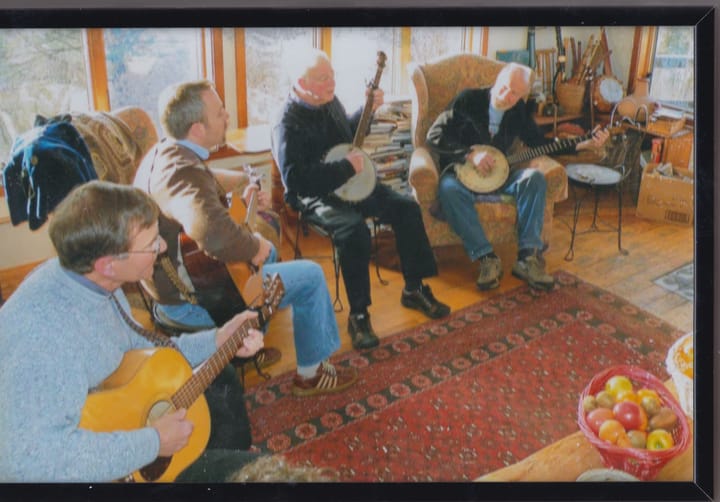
(157,339)
(174,277)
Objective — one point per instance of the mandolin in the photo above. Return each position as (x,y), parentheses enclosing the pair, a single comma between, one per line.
(361,184)
(150,383)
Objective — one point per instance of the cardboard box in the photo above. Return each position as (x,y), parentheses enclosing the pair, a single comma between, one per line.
(666,199)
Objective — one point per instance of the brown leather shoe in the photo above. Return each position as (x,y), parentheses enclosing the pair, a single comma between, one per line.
(327,380)
(361,332)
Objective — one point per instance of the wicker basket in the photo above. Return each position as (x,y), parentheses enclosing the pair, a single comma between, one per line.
(570,96)
(641,463)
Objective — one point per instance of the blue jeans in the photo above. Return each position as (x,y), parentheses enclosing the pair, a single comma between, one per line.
(528,188)
(315,329)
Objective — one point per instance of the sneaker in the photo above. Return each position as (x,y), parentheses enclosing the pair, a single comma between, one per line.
(532,270)
(327,379)
(490,273)
(423,300)
(361,332)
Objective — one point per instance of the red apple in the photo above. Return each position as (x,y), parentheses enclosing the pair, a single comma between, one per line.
(631,415)
(596,417)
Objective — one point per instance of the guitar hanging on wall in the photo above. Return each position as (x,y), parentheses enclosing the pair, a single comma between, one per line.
(361,184)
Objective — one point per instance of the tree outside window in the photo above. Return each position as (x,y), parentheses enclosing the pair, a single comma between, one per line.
(42,72)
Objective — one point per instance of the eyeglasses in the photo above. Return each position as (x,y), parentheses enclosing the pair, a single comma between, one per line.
(154,249)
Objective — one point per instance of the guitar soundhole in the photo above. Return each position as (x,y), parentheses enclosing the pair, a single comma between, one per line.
(157,467)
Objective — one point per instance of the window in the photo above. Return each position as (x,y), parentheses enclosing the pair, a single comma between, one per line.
(42,72)
(430,42)
(141,62)
(673,78)
(267,83)
(354,57)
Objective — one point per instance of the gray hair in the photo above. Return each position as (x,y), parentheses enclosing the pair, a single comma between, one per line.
(181,106)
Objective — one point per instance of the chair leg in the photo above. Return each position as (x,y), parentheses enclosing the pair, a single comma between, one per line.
(376,225)
(337,302)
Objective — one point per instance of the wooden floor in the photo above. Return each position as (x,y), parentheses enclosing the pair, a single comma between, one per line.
(653,250)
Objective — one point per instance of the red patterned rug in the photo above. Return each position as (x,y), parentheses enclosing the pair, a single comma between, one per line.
(457,398)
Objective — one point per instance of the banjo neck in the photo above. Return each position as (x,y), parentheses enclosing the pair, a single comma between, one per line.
(361,131)
(555,146)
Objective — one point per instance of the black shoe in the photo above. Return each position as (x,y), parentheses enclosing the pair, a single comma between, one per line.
(361,332)
(423,300)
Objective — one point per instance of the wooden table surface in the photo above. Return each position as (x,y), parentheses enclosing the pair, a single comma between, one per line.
(569,457)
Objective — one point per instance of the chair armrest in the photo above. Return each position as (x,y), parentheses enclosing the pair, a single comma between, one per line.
(555,177)
(423,175)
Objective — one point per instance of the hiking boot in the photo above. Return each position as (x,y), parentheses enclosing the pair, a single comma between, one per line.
(490,273)
(532,270)
(423,300)
(327,379)
(267,356)
(361,332)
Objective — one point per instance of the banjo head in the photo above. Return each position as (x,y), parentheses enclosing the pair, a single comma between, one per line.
(607,91)
(478,183)
(359,186)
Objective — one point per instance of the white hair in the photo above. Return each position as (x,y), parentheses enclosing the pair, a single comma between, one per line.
(299,60)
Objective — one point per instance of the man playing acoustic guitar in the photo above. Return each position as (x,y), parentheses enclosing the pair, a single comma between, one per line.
(68,327)
(189,194)
(495,117)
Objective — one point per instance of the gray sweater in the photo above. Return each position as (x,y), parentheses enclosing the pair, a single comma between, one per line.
(59,338)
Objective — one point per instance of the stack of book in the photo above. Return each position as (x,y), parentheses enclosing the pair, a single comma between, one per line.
(389,145)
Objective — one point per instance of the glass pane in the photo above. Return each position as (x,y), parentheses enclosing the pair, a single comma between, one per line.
(354,56)
(42,72)
(427,43)
(267,83)
(141,62)
(673,77)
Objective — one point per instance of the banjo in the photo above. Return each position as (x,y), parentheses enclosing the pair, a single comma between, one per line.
(361,184)
(485,183)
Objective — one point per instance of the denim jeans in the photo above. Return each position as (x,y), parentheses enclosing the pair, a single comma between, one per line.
(315,329)
(528,188)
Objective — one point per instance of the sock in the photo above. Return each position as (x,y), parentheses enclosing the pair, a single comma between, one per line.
(308,371)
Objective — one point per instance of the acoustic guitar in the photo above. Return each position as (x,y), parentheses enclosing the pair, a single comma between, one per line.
(152,382)
(361,185)
(216,290)
(480,183)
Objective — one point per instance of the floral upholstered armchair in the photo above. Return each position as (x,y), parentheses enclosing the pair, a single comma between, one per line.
(435,84)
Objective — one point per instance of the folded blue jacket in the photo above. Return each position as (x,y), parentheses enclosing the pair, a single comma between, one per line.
(45,164)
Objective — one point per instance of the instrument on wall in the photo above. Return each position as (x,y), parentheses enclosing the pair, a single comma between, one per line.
(150,383)
(479,183)
(607,90)
(363,183)
(560,68)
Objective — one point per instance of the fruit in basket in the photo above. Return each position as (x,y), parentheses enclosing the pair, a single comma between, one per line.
(638,439)
(650,404)
(611,430)
(659,439)
(631,415)
(665,419)
(645,392)
(617,384)
(596,417)
(627,395)
(604,399)
(589,403)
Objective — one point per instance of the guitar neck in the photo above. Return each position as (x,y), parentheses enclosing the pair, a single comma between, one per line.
(550,148)
(202,378)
